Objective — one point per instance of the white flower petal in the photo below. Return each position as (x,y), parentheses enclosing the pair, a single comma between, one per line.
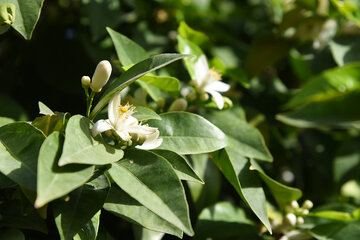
(217,86)
(101,126)
(201,69)
(142,130)
(151,142)
(218,99)
(125,136)
(113,112)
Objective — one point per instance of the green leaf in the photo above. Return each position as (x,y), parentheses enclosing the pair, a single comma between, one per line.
(144,113)
(13,216)
(240,134)
(329,84)
(335,215)
(187,133)
(70,216)
(5,120)
(19,148)
(90,230)
(224,220)
(80,147)
(11,234)
(54,181)
(151,180)
(135,72)
(235,168)
(282,193)
(141,233)
(43,109)
(127,50)
(167,84)
(336,231)
(154,92)
(192,35)
(325,113)
(123,205)
(181,166)
(188,47)
(50,123)
(27,14)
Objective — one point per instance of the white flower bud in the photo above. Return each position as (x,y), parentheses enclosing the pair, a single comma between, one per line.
(290,219)
(299,220)
(305,211)
(179,104)
(85,81)
(307,204)
(294,204)
(101,75)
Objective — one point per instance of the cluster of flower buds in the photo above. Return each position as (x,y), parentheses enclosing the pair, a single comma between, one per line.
(294,216)
(101,76)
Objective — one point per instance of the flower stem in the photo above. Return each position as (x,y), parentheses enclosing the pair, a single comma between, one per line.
(89,103)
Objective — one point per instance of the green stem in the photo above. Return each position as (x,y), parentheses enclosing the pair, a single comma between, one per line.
(89,103)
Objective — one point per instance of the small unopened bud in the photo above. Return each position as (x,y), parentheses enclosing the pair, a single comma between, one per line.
(307,204)
(304,211)
(290,219)
(160,102)
(299,220)
(204,97)
(294,204)
(7,13)
(179,104)
(85,81)
(101,75)
(227,103)
(191,96)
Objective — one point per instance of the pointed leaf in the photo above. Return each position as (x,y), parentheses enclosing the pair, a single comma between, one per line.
(80,147)
(151,180)
(50,123)
(54,181)
(127,50)
(43,109)
(144,113)
(181,166)
(90,230)
(83,204)
(19,148)
(187,47)
(187,133)
(167,84)
(146,234)
(122,205)
(235,168)
(135,72)
(282,193)
(192,35)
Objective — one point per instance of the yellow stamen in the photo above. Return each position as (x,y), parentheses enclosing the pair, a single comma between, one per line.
(216,75)
(123,109)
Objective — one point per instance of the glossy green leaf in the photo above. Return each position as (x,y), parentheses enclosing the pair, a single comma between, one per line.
(5,120)
(83,203)
(167,84)
(244,137)
(81,147)
(224,220)
(236,170)
(282,193)
(11,234)
(329,84)
(192,35)
(335,215)
(50,123)
(336,231)
(325,113)
(154,92)
(181,166)
(90,230)
(187,133)
(204,194)
(151,180)
(188,47)
(19,148)
(54,181)
(123,205)
(144,113)
(127,50)
(13,216)
(26,15)
(135,72)
(141,233)
(43,109)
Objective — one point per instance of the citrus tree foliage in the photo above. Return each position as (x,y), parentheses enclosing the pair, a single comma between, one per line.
(208,120)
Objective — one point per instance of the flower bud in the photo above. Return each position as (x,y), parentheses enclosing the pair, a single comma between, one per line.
(101,75)
(299,220)
(204,97)
(85,81)
(227,103)
(294,204)
(179,104)
(307,204)
(290,219)
(304,211)
(7,13)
